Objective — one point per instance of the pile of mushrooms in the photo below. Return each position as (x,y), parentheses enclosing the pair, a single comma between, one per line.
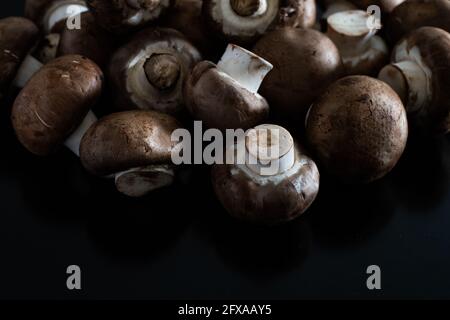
(234,66)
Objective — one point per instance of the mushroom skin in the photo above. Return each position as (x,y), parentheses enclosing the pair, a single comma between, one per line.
(17,38)
(54,103)
(123,16)
(305,63)
(133,67)
(90,41)
(386,6)
(413,14)
(420,73)
(267,199)
(362,51)
(133,146)
(244,21)
(215,95)
(357,129)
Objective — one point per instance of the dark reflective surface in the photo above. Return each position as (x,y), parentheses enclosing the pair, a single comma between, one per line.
(179,242)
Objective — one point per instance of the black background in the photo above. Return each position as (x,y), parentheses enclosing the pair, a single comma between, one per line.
(179,244)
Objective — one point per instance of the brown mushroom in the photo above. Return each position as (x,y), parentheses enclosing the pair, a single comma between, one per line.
(53,108)
(386,6)
(17,38)
(413,14)
(419,73)
(362,52)
(273,181)
(90,41)
(148,72)
(134,147)
(244,21)
(121,16)
(225,96)
(357,129)
(305,63)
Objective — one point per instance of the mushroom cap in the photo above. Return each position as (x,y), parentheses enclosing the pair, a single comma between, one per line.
(221,102)
(358,129)
(90,41)
(127,140)
(414,14)
(268,200)
(149,42)
(305,63)
(37,10)
(55,101)
(120,16)
(433,47)
(17,38)
(297,13)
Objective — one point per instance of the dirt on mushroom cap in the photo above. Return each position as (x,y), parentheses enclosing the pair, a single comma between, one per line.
(55,101)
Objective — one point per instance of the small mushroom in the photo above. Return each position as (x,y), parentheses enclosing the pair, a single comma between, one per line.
(358,129)
(51,17)
(134,147)
(121,16)
(362,52)
(225,96)
(54,107)
(90,41)
(419,73)
(414,14)
(17,38)
(305,63)
(148,72)
(273,181)
(244,21)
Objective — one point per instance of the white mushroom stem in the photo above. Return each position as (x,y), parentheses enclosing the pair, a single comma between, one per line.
(350,31)
(269,150)
(27,69)
(248,69)
(73,142)
(410,81)
(138,182)
(63,11)
(338,6)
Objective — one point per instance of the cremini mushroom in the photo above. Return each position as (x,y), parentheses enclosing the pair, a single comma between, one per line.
(413,14)
(225,96)
(148,72)
(133,147)
(357,129)
(18,36)
(305,62)
(54,107)
(419,73)
(122,16)
(244,21)
(362,52)
(271,181)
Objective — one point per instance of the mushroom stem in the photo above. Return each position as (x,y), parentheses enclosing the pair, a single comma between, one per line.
(138,182)
(350,32)
(163,70)
(245,67)
(73,142)
(63,11)
(27,69)
(246,8)
(337,6)
(269,150)
(410,81)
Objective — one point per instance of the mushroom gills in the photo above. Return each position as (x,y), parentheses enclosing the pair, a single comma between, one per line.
(138,182)
(62,11)
(248,69)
